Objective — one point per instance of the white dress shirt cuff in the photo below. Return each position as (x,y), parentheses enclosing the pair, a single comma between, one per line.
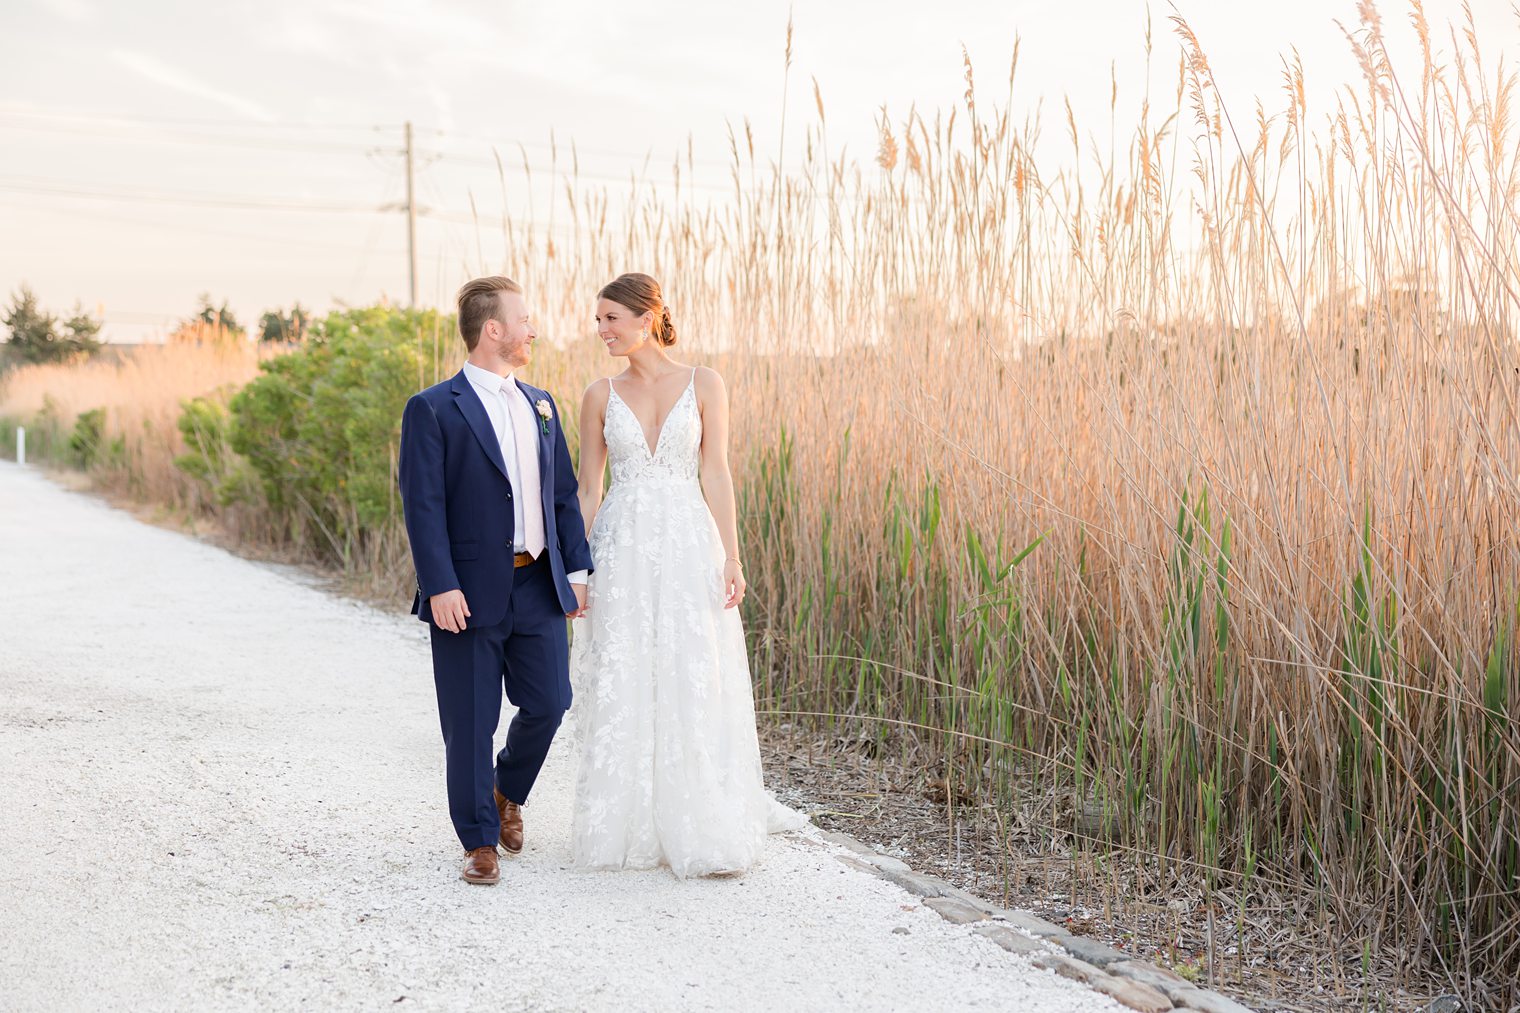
(578,577)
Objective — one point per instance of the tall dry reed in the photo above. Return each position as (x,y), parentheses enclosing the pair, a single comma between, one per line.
(1192,490)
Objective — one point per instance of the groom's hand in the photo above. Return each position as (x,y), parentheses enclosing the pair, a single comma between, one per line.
(450,610)
(580,601)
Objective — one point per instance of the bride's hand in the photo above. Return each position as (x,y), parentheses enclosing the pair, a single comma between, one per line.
(733,583)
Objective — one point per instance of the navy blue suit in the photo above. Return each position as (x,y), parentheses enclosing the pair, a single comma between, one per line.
(457,501)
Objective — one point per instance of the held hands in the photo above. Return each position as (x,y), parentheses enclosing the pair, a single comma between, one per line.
(450,610)
(580,599)
(733,583)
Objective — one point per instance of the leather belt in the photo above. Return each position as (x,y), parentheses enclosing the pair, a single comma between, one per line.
(522,559)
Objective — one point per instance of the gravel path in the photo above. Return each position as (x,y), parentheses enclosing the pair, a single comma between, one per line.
(223,788)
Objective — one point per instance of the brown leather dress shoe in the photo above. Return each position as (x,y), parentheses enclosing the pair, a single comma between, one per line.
(481,867)
(511,824)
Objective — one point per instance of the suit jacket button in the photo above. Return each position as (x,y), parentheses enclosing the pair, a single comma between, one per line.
(508,544)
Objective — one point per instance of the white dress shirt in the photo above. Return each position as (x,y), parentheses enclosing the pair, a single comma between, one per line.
(516,427)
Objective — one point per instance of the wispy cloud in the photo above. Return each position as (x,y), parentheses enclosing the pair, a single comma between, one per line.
(77,12)
(161,73)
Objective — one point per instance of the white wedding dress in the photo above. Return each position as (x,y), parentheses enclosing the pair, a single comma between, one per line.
(663,714)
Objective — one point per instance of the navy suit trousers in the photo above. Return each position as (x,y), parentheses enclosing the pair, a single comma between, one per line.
(527,654)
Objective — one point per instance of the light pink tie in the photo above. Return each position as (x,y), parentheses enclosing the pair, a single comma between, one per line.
(525,440)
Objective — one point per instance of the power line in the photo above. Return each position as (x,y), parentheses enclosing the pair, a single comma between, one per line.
(574,149)
(240,203)
(488,218)
(561,172)
(225,201)
(137,119)
(78,124)
(127,121)
(259,144)
(564,172)
(75,123)
(196,228)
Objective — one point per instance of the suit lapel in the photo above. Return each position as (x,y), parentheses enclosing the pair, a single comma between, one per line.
(480,424)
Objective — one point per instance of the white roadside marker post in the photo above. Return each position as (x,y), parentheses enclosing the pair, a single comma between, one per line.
(21,444)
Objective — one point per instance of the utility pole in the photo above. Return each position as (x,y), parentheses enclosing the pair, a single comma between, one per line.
(411,219)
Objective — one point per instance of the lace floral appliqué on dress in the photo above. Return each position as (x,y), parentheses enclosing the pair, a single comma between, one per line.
(664,713)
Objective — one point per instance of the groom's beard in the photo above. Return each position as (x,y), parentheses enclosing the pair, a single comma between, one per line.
(516,358)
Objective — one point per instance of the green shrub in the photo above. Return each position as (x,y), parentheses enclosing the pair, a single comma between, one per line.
(206,426)
(87,438)
(320,428)
(8,427)
(47,438)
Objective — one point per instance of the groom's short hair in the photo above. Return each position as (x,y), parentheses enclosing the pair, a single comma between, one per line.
(479,301)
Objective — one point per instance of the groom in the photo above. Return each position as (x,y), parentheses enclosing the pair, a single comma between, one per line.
(494,524)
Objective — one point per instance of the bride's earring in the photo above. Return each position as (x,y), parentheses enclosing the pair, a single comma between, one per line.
(644,335)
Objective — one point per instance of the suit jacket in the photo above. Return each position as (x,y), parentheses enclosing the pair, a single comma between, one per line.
(457,501)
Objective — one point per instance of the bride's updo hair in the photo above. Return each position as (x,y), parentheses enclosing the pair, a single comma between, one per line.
(641,293)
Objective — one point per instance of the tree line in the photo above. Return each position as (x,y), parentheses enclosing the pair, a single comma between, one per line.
(35,335)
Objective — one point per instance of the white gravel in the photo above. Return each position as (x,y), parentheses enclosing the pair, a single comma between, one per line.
(223,788)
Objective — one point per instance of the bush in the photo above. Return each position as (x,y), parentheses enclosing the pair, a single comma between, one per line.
(47,436)
(322,426)
(88,437)
(206,427)
(8,428)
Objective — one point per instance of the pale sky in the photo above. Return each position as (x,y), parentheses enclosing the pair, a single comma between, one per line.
(155,150)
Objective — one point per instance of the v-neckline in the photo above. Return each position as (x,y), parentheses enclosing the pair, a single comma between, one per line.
(660,435)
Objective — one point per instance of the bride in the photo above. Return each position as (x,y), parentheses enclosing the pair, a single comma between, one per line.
(664,712)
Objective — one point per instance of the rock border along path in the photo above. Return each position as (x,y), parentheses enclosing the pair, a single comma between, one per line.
(1135,984)
(224,790)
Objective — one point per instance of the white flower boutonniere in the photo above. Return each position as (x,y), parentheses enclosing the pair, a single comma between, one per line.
(544,415)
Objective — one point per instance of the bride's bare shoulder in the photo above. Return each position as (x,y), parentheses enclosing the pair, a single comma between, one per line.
(597,392)
(708,389)
(709,384)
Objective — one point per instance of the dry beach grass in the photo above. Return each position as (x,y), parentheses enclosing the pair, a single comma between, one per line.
(141,391)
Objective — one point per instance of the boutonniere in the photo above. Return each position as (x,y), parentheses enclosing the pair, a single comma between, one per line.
(544,415)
